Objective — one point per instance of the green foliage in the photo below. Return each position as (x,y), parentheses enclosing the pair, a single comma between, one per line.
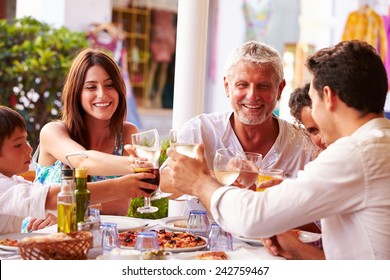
(161,204)
(164,146)
(34,59)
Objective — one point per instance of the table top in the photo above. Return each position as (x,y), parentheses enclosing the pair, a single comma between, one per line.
(249,249)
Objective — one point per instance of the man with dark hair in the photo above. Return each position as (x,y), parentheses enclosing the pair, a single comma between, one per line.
(346,186)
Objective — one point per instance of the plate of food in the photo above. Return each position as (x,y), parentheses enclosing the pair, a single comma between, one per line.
(304,236)
(175,223)
(10,242)
(169,241)
(124,223)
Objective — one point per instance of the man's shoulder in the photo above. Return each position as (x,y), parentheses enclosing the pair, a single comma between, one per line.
(294,135)
(291,129)
(212,118)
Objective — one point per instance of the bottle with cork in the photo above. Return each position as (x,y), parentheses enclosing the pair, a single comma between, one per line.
(82,195)
(66,203)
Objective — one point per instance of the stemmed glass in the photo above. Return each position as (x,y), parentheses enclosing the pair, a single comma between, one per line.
(147,146)
(251,164)
(227,166)
(184,142)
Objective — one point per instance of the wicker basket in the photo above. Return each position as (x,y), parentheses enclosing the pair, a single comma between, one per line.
(75,249)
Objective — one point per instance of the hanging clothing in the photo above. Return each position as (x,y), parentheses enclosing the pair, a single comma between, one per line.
(386,23)
(257,14)
(366,25)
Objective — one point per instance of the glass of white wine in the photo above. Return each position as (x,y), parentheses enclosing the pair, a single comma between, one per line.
(147,146)
(251,164)
(227,165)
(268,178)
(184,142)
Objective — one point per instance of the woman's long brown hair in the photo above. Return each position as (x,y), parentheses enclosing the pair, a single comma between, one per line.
(73,113)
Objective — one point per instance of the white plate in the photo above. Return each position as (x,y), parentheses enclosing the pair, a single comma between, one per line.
(16,236)
(119,254)
(192,256)
(124,223)
(304,236)
(251,241)
(169,223)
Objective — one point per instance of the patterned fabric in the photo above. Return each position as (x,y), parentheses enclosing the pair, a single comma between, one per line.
(365,24)
(257,14)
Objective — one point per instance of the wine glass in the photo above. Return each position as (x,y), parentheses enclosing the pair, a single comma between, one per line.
(147,146)
(268,178)
(227,165)
(250,166)
(184,142)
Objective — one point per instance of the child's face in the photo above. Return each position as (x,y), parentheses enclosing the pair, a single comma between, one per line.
(15,153)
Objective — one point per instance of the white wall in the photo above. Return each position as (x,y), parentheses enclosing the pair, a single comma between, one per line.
(230,34)
(48,11)
(76,15)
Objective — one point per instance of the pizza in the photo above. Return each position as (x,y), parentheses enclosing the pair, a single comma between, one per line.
(212,256)
(9,242)
(166,239)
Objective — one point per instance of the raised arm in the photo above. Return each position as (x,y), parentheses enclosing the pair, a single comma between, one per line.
(55,144)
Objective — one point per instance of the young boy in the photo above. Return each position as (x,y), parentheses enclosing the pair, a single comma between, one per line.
(18,197)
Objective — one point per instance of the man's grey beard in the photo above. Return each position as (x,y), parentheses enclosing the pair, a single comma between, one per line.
(250,121)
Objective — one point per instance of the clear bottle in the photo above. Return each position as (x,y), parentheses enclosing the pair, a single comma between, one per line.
(66,203)
(82,195)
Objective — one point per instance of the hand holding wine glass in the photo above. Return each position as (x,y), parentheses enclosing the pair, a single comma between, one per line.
(147,146)
(227,166)
(184,142)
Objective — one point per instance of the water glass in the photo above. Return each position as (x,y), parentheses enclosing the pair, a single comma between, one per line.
(220,240)
(146,241)
(198,223)
(110,236)
(94,215)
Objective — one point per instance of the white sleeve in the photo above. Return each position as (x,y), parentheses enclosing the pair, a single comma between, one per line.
(326,187)
(22,198)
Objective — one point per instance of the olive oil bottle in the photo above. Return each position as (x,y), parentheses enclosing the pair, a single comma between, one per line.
(66,203)
(82,195)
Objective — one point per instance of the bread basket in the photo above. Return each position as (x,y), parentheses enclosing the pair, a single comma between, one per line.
(50,248)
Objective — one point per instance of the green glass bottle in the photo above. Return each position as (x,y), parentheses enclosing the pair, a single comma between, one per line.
(66,203)
(82,195)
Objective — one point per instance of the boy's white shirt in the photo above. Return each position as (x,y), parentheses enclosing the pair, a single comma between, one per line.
(20,198)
